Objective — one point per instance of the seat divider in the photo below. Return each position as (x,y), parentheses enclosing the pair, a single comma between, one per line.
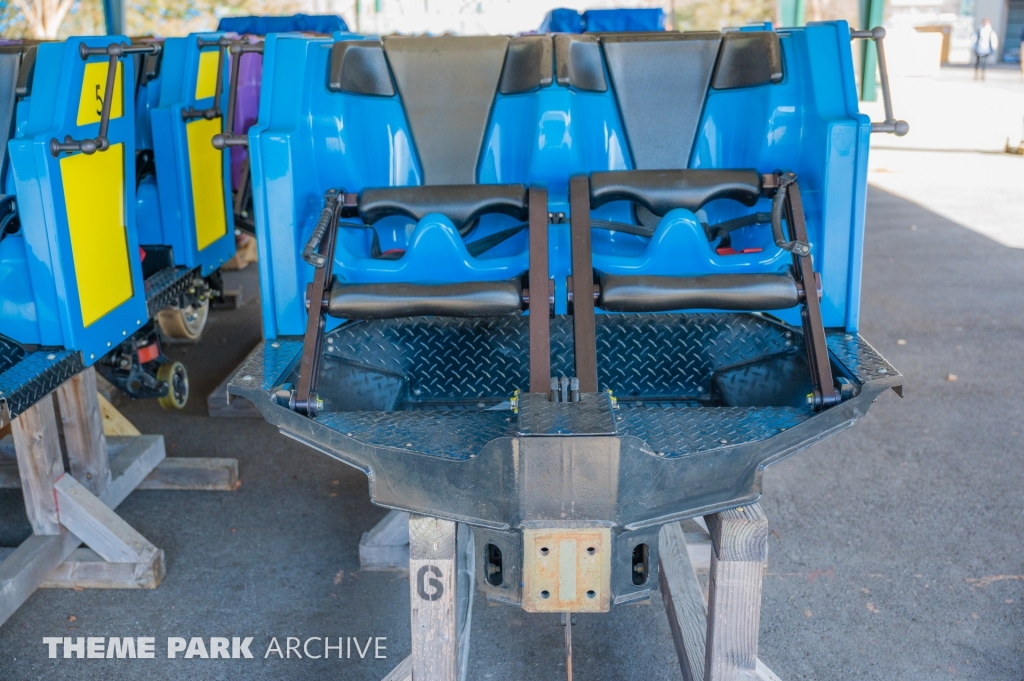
(584,327)
(540,323)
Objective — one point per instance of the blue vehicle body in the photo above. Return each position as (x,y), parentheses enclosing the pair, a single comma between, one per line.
(46,302)
(200,229)
(309,139)
(603,20)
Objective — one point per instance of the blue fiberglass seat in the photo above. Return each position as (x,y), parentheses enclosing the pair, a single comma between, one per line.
(711,201)
(70,268)
(418,233)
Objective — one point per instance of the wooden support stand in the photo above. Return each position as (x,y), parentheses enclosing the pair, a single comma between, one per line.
(715,634)
(716,640)
(441,571)
(69,508)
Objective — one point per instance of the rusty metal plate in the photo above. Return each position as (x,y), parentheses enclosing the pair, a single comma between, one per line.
(567,569)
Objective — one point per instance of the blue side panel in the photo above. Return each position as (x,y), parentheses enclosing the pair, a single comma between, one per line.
(562,20)
(636,19)
(807,124)
(147,213)
(302,23)
(308,140)
(44,253)
(179,71)
(17,304)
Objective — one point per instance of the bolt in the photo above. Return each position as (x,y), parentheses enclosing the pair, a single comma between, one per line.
(275,344)
(883,370)
(246,378)
(51,357)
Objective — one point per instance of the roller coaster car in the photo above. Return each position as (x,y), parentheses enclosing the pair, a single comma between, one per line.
(184,219)
(70,270)
(563,289)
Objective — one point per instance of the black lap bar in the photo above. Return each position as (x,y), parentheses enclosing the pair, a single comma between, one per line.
(662,190)
(460,203)
(390,301)
(645,293)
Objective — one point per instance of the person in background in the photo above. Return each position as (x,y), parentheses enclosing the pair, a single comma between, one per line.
(1022,53)
(985,44)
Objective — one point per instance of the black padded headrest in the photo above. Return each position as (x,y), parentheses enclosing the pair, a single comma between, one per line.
(12,63)
(528,64)
(27,52)
(462,203)
(359,67)
(662,190)
(578,62)
(748,58)
(660,82)
(447,85)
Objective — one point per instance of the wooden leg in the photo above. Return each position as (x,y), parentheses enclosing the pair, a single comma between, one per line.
(386,545)
(682,553)
(433,599)
(684,602)
(739,549)
(39,464)
(84,440)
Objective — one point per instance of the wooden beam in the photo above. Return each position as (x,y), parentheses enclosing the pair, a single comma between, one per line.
(740,547)
(432,584)
(684,601)
(403,672)
(84,441)
(39,464)
(86,569)
(132,459)
(97,525)
(386,545)
(114,422)
(207,474)
(27,566)
(31,563)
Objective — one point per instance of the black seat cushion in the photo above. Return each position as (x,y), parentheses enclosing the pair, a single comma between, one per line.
(391,301)
(644,293)
(462,204)
(662,190)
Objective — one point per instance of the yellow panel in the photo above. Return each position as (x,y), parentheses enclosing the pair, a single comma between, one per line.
(94,85)
(207,171)
(94,194)
(206,79)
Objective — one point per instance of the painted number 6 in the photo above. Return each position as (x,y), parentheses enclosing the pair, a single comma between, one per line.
(435,583)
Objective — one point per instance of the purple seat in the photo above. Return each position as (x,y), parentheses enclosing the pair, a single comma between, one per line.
(247,106)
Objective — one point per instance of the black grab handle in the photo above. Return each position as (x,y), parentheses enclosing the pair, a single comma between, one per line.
(114,51)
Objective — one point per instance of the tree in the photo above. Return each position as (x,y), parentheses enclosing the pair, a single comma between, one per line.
(44,17)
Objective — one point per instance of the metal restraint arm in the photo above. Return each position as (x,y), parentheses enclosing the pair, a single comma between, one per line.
(321,244)
(228,138)
(825,394)
(214,111)
(115,52)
